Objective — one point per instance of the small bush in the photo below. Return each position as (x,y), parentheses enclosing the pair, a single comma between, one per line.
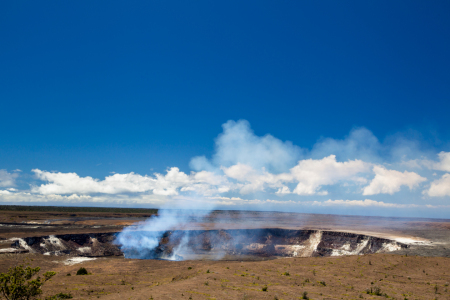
(286,274)
(322,283)
(264,289)
(68,274)
(305,295)
(376,291)
(18,284)
(189,268)
(63,296)
(82,271)
(207,271)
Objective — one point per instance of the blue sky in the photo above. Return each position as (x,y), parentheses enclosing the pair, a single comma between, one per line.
(104,88)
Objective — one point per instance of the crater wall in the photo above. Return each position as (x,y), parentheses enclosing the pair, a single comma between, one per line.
(213,244)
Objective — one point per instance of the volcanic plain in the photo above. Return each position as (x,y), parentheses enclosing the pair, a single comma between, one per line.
(419,269)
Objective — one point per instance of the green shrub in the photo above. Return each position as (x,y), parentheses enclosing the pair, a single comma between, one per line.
(82,271)
(305,295)
(60,296)
(264,289)
(375,291)
(17,283)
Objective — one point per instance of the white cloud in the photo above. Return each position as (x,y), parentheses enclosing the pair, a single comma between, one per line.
(245,164)
(7,179)
(168,184)
(364,203)
(442,165)
(440,187)
(390,181)
(311,174)
(252,181)
(75,199)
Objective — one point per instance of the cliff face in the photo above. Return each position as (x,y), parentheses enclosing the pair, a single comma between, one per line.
(94,244)
(215,244)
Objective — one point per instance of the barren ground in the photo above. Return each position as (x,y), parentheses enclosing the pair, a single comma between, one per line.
(399,275)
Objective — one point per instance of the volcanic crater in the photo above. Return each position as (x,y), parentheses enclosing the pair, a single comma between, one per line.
(233,244)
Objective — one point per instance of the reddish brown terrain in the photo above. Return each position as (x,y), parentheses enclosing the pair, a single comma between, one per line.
(419,271)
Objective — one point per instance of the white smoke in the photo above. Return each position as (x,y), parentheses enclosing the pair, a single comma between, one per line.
(142,239)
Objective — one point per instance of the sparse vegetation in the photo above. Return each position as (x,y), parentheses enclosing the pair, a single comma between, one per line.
(376,291)
(305,295)
(22,283)
(60,296)
(345,277)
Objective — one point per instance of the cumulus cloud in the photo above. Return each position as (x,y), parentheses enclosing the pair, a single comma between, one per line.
(440,187)
(76,199)
(168,184)
(251,180)
(245,167)
(311,174)
(8,179)
(363,203)
(308,175)
(442,165)
(390,181)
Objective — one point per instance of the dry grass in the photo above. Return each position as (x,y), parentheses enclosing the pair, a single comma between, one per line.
(352,277)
